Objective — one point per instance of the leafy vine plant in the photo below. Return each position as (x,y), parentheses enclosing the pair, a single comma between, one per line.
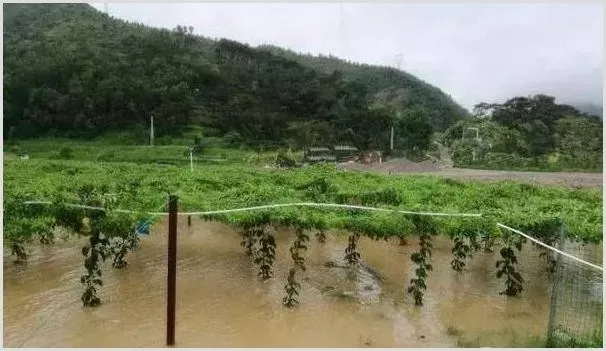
(352,256)
(292,287)
(249,238)
(22,223)
(425,228)
(321,236)
(266,254)
(465,243)
(110,234)
(506,266)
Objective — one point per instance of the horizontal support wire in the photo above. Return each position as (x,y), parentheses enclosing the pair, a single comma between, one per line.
(254,208)
(313,204)
(550,247)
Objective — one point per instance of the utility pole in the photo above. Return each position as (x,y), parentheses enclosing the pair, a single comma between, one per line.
(191,158)
(392,130)
(151,131)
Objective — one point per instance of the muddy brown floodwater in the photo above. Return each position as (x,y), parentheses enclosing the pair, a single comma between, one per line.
(221,303)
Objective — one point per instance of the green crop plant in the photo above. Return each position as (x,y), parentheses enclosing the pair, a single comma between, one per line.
(292,287)
(143,188)
(426,229)
(321,236)
(465,243)
(507,266)
(249,238)
(266,254)
(352,256)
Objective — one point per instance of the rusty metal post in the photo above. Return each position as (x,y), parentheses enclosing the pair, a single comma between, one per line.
(171,280)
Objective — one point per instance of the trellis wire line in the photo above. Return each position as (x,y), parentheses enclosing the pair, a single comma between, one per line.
(296,204)
(147,221)
(313,204)
(550,247)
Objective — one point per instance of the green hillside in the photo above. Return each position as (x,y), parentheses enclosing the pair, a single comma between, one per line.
(388,85)
(72,71)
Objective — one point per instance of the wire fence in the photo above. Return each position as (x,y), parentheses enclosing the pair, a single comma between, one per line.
(576,312)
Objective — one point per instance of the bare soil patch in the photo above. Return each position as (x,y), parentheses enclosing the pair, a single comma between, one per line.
(404,166)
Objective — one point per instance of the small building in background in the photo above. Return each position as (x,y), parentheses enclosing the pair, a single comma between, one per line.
(338,153)
(345,153)
(319,154)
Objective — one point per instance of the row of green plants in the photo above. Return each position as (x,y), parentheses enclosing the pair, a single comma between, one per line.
(111,233)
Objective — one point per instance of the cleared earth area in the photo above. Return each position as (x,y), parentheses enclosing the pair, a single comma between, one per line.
(402,165)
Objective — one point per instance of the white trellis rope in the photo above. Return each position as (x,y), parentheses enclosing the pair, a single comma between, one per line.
(296,204)
(313,204)
(550,247)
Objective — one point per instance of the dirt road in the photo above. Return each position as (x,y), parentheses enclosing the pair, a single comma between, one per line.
(404,166)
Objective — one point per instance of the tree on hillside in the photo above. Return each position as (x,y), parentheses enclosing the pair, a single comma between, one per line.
(579,140)
(534,118)
(414,131)
(526,130)
(73,71)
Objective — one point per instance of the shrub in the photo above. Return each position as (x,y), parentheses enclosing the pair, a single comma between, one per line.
(66,153)
(283,160)
(15,149)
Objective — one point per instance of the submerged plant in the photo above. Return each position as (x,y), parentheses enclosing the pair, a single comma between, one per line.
(417,285)
(506,266)
(18,250)
(352,256)
(460,252)
(465,243)
(321,237)
(266,254)
(95,253)
(292,287)
(426,228)
(248,239)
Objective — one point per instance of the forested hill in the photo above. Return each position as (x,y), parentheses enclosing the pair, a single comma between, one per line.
(71,70)
(387,86)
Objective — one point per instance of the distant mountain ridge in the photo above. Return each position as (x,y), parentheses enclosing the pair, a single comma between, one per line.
(589,108)
(72,70)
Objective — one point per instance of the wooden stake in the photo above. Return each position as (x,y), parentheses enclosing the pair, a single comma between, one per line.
(171,280)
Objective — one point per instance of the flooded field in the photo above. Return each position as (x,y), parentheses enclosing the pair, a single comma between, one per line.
(221,303)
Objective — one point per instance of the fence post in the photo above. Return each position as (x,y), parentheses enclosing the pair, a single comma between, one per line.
(554,287)
(171,280)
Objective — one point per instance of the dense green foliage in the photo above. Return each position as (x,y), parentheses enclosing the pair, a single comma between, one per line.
(527,133)
(72,71)
(388,86)
(142,188)
(145,187)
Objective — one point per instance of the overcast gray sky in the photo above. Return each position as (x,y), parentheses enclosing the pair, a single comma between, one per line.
(475,52)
